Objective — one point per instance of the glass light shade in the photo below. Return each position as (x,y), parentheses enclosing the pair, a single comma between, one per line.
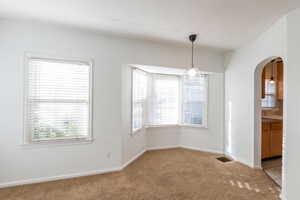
(272,81)
(192,72)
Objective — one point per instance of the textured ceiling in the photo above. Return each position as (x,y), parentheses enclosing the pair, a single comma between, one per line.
(222,24)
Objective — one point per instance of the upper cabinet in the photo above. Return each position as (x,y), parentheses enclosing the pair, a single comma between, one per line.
(272,71)
(279,80)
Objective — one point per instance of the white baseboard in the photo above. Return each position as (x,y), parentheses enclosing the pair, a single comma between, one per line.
(185,147)
(282,197)
(55,178)
(68,176)
(202,149)
(241,161)
(162,147)
(95,172)
(133,159)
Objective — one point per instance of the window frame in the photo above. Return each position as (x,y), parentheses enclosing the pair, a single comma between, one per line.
(144,102)
(27,135)
(180,123)
(154,76)
(205,109)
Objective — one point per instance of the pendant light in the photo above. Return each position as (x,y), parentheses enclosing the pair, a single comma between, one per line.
(192,71)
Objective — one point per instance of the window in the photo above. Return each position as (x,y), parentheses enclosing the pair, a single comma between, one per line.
(168,99)
(139,95)
(194,97)
(270,95)
(164,104)
(58,100)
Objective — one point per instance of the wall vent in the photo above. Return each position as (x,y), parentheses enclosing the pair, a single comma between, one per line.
(224,159)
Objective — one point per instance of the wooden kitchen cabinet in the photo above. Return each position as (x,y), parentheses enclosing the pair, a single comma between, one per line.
(276,138)
(267,73)
(279,86)
(271,145)
(276,143)
(265,141)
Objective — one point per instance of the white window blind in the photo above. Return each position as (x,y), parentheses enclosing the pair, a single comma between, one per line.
(164,103)
(194,99)
(139,95)
(58,99)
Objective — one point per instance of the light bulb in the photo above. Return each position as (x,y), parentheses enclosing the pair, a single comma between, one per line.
(272,80)
(192,72)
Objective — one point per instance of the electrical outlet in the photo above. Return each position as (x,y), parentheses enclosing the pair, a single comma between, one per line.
(108,155)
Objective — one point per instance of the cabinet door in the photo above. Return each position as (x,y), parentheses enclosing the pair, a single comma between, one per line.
(279,87)
(276,143)
(265,140)
(276,139)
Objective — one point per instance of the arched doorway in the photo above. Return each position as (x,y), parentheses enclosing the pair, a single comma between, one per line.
(268,117)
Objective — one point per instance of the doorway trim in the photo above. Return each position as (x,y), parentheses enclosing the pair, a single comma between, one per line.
(257,109)
(257,117)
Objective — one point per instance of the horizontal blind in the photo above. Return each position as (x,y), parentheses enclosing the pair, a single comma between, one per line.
(139,95)
(194,99)
(58,99)
(164,103)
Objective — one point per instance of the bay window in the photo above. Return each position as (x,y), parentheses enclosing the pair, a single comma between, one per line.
(139,95)
(164,100)
(167,99)
(194,96)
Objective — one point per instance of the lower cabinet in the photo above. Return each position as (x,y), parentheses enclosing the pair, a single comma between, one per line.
(271,144)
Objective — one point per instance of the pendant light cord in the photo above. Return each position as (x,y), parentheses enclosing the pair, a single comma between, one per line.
(272,76)
(192,38)
(192,54)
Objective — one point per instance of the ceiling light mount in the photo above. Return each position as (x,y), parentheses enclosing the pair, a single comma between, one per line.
(193,37)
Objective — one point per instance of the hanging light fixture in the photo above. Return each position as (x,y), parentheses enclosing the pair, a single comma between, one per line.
(192,71)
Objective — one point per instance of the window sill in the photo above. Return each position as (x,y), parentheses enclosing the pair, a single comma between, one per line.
(161,126)
(176,125)
(168,125)
(57,143)
(193,126)
(135,132)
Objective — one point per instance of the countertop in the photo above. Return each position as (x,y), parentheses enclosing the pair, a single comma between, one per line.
(271,118)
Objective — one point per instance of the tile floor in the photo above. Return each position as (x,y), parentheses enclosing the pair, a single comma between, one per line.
(273,168)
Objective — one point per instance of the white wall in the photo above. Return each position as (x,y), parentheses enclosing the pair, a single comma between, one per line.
(240,68)
(163,137)
(113,146)
(132,144)
(292,71)
(282,39)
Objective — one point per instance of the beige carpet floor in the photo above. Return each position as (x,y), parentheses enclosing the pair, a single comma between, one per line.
(174,174)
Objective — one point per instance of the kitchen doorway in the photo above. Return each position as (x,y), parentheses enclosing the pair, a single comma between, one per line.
(272,116)
(269,118)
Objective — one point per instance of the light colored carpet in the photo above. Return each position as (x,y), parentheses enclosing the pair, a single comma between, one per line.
(174,174)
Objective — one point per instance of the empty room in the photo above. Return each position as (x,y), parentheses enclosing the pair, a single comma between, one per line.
(149,100)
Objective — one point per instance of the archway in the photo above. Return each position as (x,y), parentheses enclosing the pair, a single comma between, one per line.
(258,74)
